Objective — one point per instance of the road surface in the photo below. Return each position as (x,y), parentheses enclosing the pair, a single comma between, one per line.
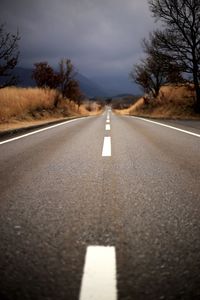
(133,186)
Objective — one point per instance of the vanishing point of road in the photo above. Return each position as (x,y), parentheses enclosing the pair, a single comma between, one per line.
(101,208)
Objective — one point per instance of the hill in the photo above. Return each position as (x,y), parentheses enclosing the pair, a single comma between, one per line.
(173,102)
(96,87)
(89,88)
(117,84)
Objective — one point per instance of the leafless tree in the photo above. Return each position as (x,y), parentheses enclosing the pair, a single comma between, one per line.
(181,36)
(9,55)
(69,85)
(45,76)
(156,69)
(67,74)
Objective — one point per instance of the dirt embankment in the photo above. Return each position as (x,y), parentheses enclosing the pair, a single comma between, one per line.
(173,102)
(22,107)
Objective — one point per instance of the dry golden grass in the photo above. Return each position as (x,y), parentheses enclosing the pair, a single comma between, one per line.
(173,102)
(33,104)
(24,107)
(136,106)
(14,124)
(17,102)
(85,109)
(91,108)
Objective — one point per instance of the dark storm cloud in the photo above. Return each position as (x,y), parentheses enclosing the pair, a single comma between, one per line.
(100,36)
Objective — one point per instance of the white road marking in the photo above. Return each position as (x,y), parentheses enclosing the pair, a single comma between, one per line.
(168,126)
(106,146)
(39,130)
(107,121)
(107,126)
(99,276)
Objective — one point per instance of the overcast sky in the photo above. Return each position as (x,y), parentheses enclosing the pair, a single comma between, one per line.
(102,37)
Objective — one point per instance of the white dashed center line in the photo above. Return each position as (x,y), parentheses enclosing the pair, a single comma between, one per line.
(99,275)
(106,146)
(107,139)
(107,126)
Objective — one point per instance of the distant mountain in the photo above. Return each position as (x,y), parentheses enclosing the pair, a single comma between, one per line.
(101,86)
(117,84)
(122,95)
(89,88)
(24,77)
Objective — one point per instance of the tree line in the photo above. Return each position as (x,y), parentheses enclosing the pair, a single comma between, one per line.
(9,55)
(172,54)
(64,80)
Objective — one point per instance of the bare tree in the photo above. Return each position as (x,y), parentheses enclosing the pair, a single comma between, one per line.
(73,92)
(45,76)
(181,37)
(149,75)
(142,77)
(69,85)
(67,74)
(9,55)
(156,69)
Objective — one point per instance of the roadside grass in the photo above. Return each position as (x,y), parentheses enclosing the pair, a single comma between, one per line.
(36,104)
(173,102)
(17,102)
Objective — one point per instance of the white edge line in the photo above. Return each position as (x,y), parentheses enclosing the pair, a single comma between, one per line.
(39,130)
(99,274)
(169,126)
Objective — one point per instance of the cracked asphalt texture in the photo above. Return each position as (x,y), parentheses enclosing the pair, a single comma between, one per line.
(58,195)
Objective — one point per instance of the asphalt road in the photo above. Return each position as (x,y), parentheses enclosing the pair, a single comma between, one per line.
(58,196)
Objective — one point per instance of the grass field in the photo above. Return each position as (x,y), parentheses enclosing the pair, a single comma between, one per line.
(173,102)
(28,105)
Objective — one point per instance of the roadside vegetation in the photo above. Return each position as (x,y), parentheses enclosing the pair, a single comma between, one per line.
(29,106)
(169,72)
(123,102)
(56,96)
(172,102)
(9,56)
